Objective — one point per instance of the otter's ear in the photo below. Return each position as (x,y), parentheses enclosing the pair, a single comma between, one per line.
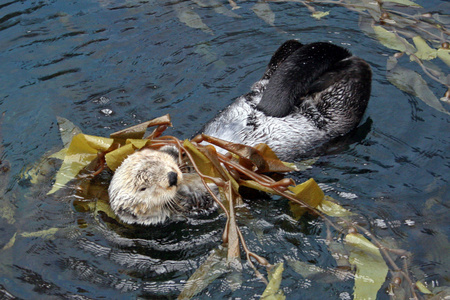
(171,150)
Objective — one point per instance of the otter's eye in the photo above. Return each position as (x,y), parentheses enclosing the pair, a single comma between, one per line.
(142,189)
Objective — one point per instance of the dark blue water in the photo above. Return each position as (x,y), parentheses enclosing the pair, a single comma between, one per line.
(109,64)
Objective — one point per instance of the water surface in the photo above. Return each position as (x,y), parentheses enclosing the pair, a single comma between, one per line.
(106,65)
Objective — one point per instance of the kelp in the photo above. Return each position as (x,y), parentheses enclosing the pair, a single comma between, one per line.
(255,167)
(400,25)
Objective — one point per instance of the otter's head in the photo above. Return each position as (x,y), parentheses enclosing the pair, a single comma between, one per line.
(143,189)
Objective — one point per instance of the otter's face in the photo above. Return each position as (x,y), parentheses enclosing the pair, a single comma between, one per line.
(143,189)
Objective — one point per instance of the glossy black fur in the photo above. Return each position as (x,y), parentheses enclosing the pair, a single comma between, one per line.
(296,71)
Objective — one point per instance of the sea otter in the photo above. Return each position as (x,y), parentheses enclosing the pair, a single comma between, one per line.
(149,188)
(309,94)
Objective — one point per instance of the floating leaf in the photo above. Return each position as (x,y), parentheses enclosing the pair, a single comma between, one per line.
(138,143)
(264,12)
(273,163)
(210,152)
(320,14)
(11,242)
(260,158)
(214,266)
(272,290)
(67,130)
(422,288)
(204,50)
(309,192)
(411,82)
(444,54)
(60,154)
(233,5)
(315,273)
(82,151)
(256,186)
(189,17)
(217,6)
(423,50)
(104,207)
(115,158)
(138,131)
(204,164)
(333,209)
(305,269)
(45,234)
(404,2)
(371,269)
(391,40)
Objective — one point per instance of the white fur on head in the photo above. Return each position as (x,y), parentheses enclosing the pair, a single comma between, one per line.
(140,191)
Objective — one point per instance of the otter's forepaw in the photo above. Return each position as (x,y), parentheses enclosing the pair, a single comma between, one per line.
(194,196)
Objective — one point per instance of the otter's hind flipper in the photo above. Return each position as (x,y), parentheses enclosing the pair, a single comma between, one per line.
(293,78)
(341,95)
(283,52)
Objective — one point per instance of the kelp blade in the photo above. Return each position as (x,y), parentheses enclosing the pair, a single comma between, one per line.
(371,269)
(333,209)
(138,131)
(82,151)
(214,266)
(309,192)
(272,291)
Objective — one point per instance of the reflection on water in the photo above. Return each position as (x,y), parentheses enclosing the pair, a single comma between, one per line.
(109,64)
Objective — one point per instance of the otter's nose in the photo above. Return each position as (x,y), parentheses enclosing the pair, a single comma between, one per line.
(173,178)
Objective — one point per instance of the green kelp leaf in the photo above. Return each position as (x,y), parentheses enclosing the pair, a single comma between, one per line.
(436,71)
(309,192)
(256,186)
(217,6)
(115,158)
(82,150)
(259,159)
(8,209)
(340,254)
(404,2)
(264,12)
(423,50)
(317,274)
(233,5)
(412,82)
(106,208)
(370,6)
(391,40)
(138,143)
(444,55)
(305,164)
(213,267)
(371,269)
(332,209)
(11,242)
(272,290)
(203,163)
(189,17)
(210,152)
(60,154)
(273,163)
(67,130)
(320,14)
(422,288)
(45,234)
(138,131)
(305,269)
(210,57)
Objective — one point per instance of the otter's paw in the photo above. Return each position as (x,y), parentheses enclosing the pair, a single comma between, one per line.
(194,196)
